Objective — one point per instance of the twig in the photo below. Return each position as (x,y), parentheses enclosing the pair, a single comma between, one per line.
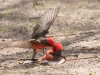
(83,58)
(27,59)
(97,57)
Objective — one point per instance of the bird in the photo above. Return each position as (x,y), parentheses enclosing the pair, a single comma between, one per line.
(39,39)
(54,53)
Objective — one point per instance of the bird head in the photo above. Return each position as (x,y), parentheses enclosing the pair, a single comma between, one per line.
(50,41)
(58,46)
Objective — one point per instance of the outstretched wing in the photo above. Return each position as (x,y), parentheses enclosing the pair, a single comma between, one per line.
(24,44)
(44,23)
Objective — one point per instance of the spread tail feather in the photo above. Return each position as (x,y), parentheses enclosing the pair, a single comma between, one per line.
(24,44)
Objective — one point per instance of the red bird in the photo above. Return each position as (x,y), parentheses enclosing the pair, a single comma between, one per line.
(34,44)
(53,54)
(42,27)
(39,40)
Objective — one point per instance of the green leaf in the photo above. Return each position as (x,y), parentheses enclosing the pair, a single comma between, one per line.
(34,22)
(6,15)
(94,73)
(23,16)
(35,6)
(90,74)
(1,72)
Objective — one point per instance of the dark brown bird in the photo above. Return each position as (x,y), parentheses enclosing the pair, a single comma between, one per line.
(39,40)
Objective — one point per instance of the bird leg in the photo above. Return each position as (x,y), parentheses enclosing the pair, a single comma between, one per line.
(34,53)
(47,56)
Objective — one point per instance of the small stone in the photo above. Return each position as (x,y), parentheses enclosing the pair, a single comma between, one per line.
(27,61)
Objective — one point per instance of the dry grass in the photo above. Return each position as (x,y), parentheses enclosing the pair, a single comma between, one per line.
(77,27)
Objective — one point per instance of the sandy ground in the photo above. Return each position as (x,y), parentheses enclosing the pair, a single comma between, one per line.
(77,27)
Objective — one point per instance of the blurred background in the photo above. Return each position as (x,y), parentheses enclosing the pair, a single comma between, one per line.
(77,27)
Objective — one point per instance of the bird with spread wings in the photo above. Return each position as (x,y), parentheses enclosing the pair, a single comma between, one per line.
(39,39)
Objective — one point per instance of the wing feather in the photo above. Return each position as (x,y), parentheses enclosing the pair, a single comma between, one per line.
(44,23)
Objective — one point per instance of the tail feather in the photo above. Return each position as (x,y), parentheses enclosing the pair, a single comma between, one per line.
(20,44)
(24,44)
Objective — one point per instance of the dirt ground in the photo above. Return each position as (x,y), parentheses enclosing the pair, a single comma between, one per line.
(77,27)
